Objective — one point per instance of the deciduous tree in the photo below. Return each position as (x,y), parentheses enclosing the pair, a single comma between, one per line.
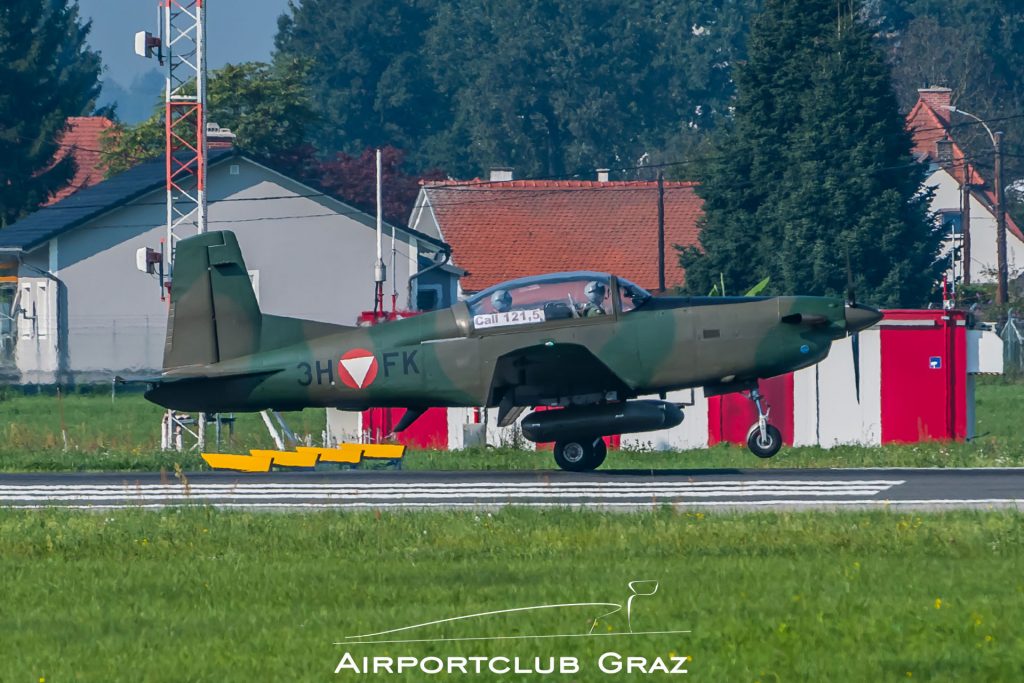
(368,79)
(355,180)
(266,107)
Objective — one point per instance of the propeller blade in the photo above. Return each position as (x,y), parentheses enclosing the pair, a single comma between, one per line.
(855,345)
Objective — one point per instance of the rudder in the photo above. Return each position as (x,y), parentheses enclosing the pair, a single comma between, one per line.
(214,315)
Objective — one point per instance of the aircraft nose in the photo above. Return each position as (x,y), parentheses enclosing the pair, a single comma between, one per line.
(859,317)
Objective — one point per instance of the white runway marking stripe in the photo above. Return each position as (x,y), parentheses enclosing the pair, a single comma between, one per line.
(868,502)
(435,496)
(338,494)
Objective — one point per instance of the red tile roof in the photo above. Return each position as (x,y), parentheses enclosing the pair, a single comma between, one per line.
(82,140)
(929,123)
(504,230)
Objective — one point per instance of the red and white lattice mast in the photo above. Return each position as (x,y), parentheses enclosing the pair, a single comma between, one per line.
(184,38)
(181,49)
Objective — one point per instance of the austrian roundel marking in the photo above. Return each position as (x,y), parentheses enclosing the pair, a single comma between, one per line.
(357,368)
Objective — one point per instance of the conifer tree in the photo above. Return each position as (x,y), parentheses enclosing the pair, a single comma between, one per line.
(815,169)
(47,73)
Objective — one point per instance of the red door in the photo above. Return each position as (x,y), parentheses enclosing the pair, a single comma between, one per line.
(429,431)
(924,378)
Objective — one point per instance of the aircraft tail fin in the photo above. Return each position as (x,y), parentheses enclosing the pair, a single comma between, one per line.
(214,315)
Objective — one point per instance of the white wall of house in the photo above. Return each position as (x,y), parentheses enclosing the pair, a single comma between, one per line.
(948,196)
(311,256)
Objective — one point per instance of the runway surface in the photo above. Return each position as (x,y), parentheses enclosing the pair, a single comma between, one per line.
(919,489)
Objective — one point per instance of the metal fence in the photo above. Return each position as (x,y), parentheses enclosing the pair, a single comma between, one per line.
(1013,346)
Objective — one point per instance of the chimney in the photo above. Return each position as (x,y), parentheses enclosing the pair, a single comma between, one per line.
(602,175)
(938,99)
(944,151)
(500,174)
(217,137)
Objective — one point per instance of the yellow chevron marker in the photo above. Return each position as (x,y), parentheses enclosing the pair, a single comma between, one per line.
(350,453)
(260,460)
(239,463)
(288,458)
(391,451)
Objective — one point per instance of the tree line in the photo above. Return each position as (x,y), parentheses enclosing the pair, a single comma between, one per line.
(809,106)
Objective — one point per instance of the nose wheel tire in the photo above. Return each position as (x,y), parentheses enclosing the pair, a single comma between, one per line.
(767,446)
(580,455)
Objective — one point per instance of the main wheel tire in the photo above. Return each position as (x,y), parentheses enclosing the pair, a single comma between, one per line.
(580,455)
(764,448)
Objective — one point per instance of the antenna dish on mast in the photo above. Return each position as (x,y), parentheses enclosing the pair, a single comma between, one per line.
(146,45)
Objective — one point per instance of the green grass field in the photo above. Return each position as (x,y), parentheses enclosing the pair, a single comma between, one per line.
(202,595)
(94,432)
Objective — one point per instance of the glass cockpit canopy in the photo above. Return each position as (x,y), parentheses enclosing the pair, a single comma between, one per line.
(555,296)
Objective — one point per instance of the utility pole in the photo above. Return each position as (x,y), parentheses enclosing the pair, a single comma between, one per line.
(965,226)
(1002,294)
(661,231)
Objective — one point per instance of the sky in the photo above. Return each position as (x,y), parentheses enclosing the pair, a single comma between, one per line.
(236,31)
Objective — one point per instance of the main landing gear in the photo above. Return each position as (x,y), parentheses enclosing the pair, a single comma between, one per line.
(580,455)
(763,439)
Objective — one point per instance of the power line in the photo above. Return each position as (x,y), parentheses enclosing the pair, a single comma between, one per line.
(482,185)
(513,196)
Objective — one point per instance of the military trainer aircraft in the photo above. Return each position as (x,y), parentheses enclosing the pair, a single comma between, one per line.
(586,343)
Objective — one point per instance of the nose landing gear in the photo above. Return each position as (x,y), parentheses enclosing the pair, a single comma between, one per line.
(763,439)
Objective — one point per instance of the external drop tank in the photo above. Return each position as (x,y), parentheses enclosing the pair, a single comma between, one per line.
(600,420)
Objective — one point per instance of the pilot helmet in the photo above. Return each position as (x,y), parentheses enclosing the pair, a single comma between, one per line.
(501,300)
(595,290)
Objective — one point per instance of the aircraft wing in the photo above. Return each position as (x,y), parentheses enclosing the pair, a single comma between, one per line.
(536,372)
(195,374)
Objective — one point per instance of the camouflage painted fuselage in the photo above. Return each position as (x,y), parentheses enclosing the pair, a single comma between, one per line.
(223,354)
(438,359)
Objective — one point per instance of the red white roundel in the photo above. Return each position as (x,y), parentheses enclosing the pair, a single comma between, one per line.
(357,368)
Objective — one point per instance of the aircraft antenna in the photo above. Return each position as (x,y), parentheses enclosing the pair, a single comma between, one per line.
(379,270)
(394,273)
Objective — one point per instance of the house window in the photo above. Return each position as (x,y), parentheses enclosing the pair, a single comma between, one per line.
(8,327)
(28,308)
(951,221)
(42,310)
(428,297)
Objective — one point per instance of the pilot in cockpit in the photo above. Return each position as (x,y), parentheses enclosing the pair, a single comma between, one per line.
(501,301)
(596,292)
